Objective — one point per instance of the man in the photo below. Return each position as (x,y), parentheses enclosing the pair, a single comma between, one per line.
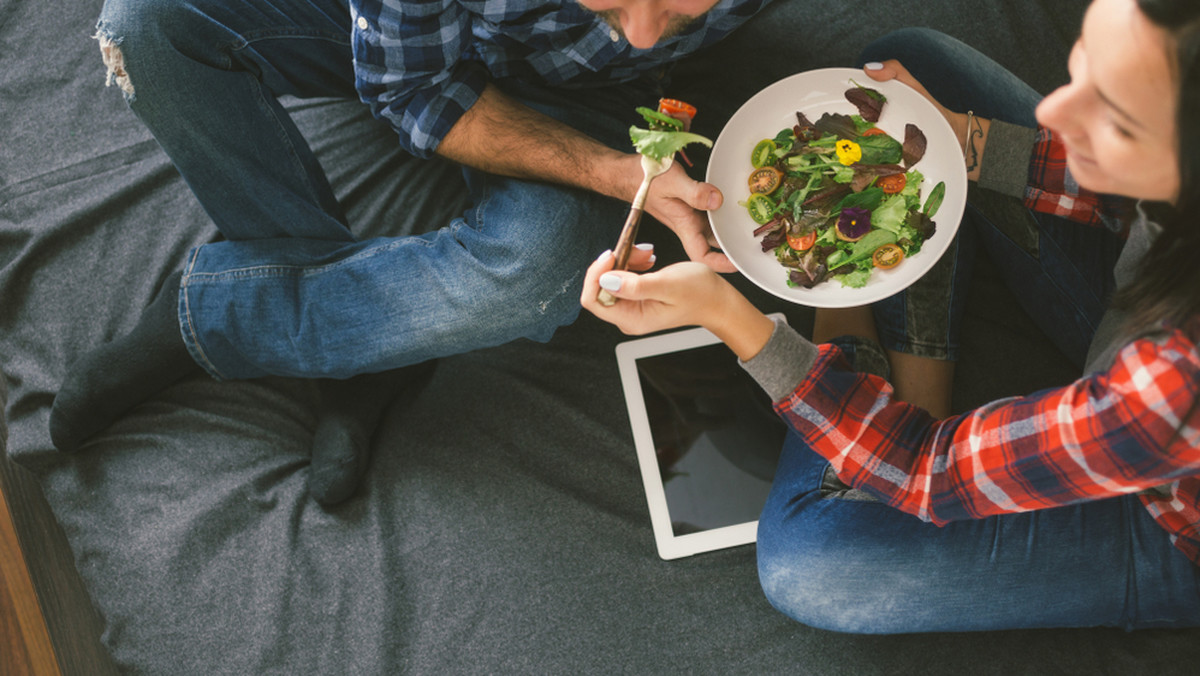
(532,98)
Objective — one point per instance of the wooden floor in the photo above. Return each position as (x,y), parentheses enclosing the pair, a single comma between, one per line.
(25,646)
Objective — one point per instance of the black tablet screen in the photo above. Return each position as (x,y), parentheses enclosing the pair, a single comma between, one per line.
(716,437)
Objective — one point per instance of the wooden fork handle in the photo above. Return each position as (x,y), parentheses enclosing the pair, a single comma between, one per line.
(621,253)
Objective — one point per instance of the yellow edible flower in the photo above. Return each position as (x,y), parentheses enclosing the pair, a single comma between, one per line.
(848,152)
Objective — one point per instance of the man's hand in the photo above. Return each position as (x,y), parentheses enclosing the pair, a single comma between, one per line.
(680,203)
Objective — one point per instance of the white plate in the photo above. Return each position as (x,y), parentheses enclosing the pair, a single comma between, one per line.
(813,93)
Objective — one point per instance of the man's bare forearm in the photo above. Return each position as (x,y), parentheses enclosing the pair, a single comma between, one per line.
(502,136)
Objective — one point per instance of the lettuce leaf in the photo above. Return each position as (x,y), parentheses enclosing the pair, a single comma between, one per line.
(868,101)
(659,145)
(891,214)
(912,189)
(856,279)
(880,149)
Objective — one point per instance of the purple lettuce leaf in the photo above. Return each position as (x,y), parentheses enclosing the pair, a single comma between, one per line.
(914,144)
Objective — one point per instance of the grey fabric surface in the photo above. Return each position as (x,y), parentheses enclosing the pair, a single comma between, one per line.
(502,527)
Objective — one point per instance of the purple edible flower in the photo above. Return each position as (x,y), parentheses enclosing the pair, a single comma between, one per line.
(854,223)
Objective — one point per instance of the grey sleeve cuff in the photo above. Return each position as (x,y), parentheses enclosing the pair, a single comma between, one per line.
(783,362)
(1006,158)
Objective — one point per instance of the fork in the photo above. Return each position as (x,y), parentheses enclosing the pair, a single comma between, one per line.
(651,168)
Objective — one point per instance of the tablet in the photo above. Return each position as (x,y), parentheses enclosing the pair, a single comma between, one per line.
(706,436)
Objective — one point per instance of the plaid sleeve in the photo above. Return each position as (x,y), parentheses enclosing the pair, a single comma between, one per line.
(1053,190)
(1122,431)
(409,67)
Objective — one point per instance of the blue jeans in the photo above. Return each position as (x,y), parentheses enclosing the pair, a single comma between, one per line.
(290,291)
(1060,272)
(836,559)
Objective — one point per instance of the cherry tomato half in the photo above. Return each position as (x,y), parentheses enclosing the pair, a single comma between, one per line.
(761,208)
(803,242)
(892,183)
(887,256)
(763,153)
(678,110)
(674,107)
(765,180)
(874,131)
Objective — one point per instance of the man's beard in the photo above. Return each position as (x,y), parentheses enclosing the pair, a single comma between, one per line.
(677,25)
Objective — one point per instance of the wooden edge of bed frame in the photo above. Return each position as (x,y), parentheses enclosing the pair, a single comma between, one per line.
(48,624)
(25,646)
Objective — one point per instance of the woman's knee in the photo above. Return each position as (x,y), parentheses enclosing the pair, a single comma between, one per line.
(914,41)
(822,564)
(959,76)
(800,581)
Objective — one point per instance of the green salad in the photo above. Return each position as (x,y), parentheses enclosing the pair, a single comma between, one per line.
(840,198)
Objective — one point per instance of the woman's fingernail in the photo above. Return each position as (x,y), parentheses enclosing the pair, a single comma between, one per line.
(645,246)
(605,256)
(610,282)
(714,200)
(874,65)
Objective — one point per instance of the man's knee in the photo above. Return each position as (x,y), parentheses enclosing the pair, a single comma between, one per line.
(137,27)
(547,301)
(114,62)
(532,248)
(111,34)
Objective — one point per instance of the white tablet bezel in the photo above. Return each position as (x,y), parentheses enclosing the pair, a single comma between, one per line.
(669,545)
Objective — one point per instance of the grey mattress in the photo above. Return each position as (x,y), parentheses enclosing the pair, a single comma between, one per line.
(502,526)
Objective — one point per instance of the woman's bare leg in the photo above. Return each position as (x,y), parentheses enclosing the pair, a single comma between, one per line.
(924,382)
(920,381)
(829,323)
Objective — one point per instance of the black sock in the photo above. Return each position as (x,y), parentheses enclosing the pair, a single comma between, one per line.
(117,376)
(350,413)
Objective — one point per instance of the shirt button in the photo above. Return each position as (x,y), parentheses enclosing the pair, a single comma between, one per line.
(362,23)
(613,35)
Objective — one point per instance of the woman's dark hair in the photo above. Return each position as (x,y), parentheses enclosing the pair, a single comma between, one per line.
(1168,283)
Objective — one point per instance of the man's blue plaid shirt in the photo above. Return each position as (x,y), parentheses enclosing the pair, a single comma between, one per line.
(421,64)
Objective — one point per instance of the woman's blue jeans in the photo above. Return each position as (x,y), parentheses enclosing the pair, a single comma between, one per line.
(1060,272)
(836,559)
(289,291)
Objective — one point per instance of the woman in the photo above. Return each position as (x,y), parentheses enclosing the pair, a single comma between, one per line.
(1070,507)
